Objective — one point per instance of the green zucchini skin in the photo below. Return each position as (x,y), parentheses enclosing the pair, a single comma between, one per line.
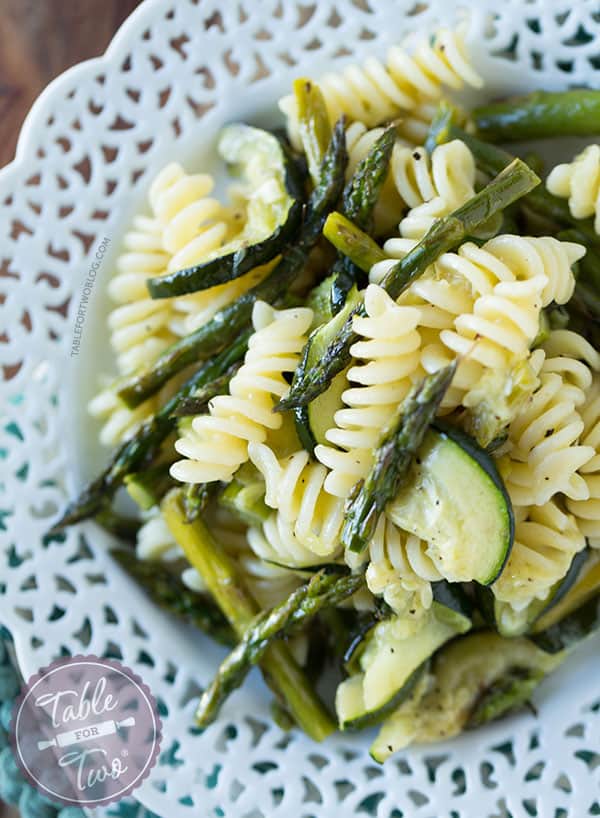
(572,629)
(452,595)
(484,460)
(324,407)
(375,717)
(236,264)
(491,610)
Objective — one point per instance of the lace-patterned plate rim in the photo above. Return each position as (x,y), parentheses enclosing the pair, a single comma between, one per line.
(62,596)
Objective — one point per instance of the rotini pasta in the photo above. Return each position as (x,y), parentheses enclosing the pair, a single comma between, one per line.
(587,511)
(579,182)
(373,93)
(390,351)
(216,444)
(431,188)
(545,453)
(119,422)
(546,540)
(295,489)
(195,227)
(399,569)
(508,281)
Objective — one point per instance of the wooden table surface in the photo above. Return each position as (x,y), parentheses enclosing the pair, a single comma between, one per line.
(39,39)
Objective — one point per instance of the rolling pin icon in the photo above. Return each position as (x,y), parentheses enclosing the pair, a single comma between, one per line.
(92,731)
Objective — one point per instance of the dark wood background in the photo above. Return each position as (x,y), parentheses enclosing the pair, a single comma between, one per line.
(38,40)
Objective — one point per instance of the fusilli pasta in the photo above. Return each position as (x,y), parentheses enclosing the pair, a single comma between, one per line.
(390,351)
(399,569)
(431,188)
(373,92)
(546,540)
(545,454)
(579,182)
(587,511)
(216,444)
(295,489)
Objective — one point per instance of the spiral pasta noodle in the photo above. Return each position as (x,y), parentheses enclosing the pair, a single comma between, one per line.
(195,227)
(546,540)
(579,182)
(390,351)
(373,92)
(399,569)
(431,188)
(295,489)
(216,444)
(587,511)
(546,453)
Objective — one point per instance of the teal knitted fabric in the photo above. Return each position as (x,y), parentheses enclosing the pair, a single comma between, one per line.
(13,787)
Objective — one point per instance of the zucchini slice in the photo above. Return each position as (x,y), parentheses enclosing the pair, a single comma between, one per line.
(274,212)
(475,679)
(313,420)
(457,502)
(391,663)
(509,622)
(586,588)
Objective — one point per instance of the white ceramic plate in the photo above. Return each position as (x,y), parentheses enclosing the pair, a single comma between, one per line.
(174,74)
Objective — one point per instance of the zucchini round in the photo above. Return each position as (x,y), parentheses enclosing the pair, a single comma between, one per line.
(456,502)
(273,220)
(313,421)
(391,663)
(474,679)
(509,622)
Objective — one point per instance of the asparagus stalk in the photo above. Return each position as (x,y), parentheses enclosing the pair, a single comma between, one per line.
(119,525)
(353,242)
(358,204)
(197,403)
(145,444)
(298,609)
(169,592)
(196,497)
(220,331)
(222,577)
(313,124)
(147,487)
(447,233)
(541,115)
(393,457)
(492,160)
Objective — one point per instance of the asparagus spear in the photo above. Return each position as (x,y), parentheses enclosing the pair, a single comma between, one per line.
(303,604)
(353,242)
(222,577)
(197,403)
(313,124)
(147,487)
(358,203)
(447,233)
(145,444)
(168,591)
(541,115)
(120,526)
(393,457)
(220,331)
(492,160)
(196,497)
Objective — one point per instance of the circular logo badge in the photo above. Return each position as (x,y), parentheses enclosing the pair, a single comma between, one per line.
(86,731)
